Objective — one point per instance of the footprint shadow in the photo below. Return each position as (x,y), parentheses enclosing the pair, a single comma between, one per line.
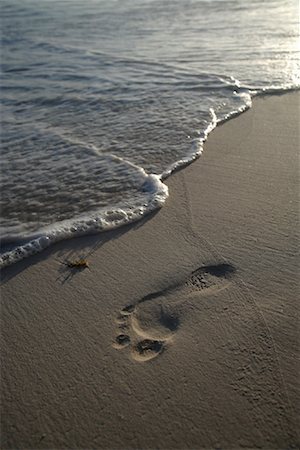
(149,326)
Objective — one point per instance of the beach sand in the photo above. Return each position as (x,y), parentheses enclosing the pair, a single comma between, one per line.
(184,332)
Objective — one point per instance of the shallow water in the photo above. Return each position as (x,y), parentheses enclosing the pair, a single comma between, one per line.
(102,99)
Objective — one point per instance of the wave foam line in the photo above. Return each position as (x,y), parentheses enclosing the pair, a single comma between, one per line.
(156,193)
(195,150)
(246,94)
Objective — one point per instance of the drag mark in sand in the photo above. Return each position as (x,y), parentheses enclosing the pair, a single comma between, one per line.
(150,325)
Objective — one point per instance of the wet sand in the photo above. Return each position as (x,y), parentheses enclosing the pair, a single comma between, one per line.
(183,333)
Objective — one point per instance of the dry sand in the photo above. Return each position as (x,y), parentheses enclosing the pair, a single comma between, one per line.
(184,333)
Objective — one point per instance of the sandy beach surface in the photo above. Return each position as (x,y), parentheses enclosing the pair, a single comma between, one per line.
(184,333)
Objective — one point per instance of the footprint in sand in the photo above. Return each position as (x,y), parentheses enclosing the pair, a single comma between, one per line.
(210,278)
(146,329)
(149,326)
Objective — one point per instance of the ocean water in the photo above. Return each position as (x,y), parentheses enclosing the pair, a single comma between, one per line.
(103,99)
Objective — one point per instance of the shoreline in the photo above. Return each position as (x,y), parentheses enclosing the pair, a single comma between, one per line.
(9,245)
(210,358)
